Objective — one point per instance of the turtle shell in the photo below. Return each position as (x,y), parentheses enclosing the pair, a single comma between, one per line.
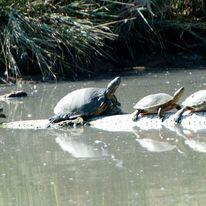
(197,100)
(153,101)
(81,102)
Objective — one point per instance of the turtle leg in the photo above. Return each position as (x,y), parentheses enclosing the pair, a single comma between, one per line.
(79,121)
(55,119)
(178,114)
(160,114)
(60,118)
(136,113)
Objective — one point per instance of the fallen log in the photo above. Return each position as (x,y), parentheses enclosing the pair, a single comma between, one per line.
(121,123)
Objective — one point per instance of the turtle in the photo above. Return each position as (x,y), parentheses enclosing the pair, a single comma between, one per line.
(157,103)
(1,113)
(88,102)
(196,102)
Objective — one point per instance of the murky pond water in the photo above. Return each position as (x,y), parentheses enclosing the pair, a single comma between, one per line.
(92,167)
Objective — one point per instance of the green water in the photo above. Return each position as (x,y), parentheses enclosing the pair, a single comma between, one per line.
(90,167)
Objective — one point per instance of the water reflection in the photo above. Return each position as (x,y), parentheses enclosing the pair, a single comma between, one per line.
(77,143)
(194,139)
(165,140)
(155,146)
(159,140)
(94,167)
(79,146)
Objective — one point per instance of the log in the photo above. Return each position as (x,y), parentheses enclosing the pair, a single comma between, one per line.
(122,123)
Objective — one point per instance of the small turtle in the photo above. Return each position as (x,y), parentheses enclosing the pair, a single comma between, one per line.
(196,102)
(157,103)
(1,113)
(88,102)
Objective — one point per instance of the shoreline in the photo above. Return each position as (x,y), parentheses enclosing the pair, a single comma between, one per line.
(145,64)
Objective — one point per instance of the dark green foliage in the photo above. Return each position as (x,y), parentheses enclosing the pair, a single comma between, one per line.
(63,37)
(55,42)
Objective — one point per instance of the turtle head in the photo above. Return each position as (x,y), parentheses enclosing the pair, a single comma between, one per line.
(112,86)
(1,113)
(178,94)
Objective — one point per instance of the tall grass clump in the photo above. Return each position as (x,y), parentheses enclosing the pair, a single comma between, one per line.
(55,39)
(161,26)
(65,37)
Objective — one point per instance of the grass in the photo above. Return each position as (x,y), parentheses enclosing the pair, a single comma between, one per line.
(60,41)
(63,38)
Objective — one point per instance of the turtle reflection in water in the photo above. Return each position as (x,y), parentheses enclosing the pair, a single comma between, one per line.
(194,103)
(82,104)
(157,103)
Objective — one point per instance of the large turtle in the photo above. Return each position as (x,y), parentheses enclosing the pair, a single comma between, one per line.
(88,102)
(157,103)
(1,113)
(196,102)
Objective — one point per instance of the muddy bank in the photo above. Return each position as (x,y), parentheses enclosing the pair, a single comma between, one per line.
(154,62)
(145,63)
(123,66)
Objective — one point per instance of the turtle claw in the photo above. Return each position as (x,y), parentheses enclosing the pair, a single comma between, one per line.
(177,119)
(162,118)
(178,115)
(135,118)
(135,115)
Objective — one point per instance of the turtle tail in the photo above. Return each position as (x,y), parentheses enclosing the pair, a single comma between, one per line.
(178,94)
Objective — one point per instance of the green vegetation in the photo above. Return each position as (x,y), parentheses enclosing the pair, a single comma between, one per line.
(64,38)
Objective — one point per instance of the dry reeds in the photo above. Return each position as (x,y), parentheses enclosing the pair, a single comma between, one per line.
(64,37)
